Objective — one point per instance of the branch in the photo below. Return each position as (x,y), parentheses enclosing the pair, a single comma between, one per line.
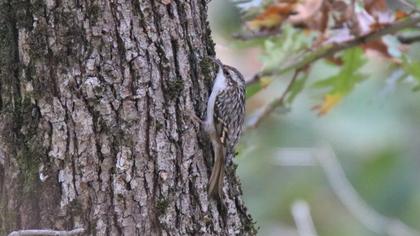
(323,52)
(257,118)
(255,35)
(332,49)
(409,39)
(33,232)
(302,216)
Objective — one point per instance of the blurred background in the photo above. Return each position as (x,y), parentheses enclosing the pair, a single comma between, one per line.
(373,135)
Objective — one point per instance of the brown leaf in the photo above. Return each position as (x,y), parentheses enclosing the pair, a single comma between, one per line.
(380,11)
(272,16)
(305,10)
(335,60)
(378,46)
(311,14)
(399,14)
(373,6)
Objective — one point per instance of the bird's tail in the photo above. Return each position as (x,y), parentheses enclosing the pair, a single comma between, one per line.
(217,173)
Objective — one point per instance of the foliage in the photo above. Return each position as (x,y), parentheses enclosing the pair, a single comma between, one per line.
(295,34)
(359,65)
(343,82)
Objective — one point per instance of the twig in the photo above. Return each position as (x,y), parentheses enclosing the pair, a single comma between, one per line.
(332,49)
(302,216)
(33,232)
(409,39)
(257,118)
(325,51)
(255,35)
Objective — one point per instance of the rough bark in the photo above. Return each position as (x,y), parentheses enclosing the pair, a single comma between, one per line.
(95,99)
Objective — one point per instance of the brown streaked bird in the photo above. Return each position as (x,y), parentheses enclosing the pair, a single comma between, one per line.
(224,121)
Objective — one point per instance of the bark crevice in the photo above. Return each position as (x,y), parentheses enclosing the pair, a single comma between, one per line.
(95,124)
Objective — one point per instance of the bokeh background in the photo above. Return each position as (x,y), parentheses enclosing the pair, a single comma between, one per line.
(374,133)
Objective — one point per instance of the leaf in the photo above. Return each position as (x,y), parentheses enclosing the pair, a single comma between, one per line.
(305,10)
(265,81)
(378,46)
(412,68)
(311,14)
(348,76)
(400,15)
(252,89)
(380,11)
(373,6)
(272,16)
(343,82)
(329,102)
(284,48)
(325,83)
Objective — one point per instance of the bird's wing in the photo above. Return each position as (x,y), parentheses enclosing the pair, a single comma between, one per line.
(228,115)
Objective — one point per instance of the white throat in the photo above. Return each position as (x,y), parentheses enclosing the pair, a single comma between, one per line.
(219,85)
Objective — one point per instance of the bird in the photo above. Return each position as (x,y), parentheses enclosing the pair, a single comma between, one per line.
(224,121)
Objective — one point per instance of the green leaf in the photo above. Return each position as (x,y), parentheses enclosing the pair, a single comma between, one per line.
(412,68)
(324,83)
(284,47)
(253,89)
(348,76)
(343,82)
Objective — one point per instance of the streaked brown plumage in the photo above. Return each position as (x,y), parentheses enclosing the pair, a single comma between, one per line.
(224,120)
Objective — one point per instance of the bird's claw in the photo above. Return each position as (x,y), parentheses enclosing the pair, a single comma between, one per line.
(195,119)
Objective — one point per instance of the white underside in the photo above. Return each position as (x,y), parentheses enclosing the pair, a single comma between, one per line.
(219,85)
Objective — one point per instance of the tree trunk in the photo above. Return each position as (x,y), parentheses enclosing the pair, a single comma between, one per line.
(95,127)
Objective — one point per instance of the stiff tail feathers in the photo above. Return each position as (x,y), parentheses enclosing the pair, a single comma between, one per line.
(217,174)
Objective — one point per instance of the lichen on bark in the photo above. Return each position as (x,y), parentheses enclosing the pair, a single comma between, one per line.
(95,127)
